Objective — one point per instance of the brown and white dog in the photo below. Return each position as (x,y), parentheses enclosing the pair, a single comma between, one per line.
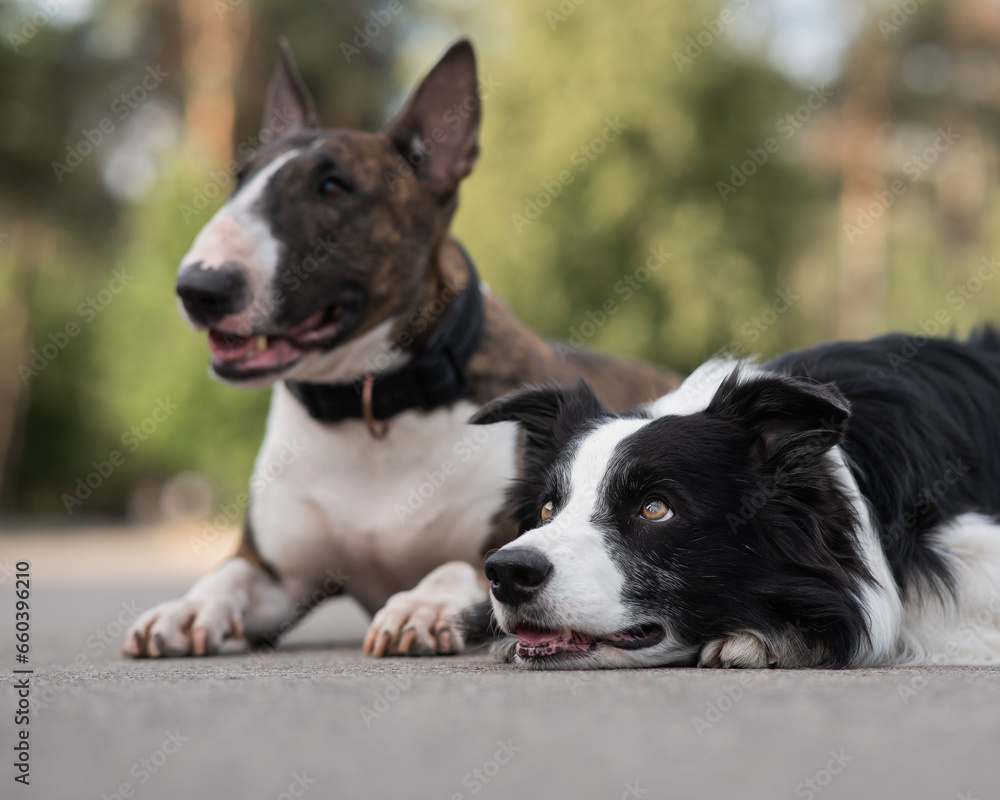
(330,274)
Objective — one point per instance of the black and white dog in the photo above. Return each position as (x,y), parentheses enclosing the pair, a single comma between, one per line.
(835,507)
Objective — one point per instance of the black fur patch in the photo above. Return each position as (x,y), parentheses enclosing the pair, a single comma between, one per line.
(761,538)
(764,537)
(924,438)
(479,625)
(551,418)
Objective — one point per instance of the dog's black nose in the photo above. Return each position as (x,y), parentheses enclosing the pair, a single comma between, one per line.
(210,294)
(517,573)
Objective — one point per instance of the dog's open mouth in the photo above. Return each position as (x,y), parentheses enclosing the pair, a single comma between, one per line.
(534,643)
(259,355)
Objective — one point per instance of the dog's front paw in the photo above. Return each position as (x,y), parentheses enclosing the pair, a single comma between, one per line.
(743,650)
(191,626)
(425,620)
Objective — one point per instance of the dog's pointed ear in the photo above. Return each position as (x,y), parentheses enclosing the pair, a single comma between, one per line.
(548,415)
(437,132)
(289,106)
(789,416)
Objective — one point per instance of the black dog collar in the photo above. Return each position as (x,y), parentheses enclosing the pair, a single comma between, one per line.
(433,377)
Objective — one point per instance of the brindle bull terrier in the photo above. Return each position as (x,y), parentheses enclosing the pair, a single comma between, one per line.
(331,275)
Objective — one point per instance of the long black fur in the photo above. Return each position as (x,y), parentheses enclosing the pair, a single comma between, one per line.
(921,410)
(765,538)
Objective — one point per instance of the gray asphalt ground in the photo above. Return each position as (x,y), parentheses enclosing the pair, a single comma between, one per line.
(308,721)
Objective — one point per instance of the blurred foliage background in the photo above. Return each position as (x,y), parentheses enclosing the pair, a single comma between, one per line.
(815,169)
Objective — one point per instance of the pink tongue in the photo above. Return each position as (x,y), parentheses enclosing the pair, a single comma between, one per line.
(534,638)
(280,352)
(228,346)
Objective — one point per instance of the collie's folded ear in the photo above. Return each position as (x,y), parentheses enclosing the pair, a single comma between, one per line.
(548,415)
(790,416)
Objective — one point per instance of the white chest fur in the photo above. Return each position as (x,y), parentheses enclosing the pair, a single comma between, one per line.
(328,498)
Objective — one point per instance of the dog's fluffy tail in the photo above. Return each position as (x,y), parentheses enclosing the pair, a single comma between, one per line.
(479,626)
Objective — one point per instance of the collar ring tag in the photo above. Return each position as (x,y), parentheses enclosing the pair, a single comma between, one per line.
(377,428)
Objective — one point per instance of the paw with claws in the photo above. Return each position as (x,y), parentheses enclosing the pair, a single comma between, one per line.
(425,619)
(191,626)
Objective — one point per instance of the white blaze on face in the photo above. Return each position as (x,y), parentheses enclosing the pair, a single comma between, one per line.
(238,233)
(584,590)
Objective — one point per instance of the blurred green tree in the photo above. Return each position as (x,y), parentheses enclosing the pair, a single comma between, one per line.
(649,156)
(561,217)
(94,169)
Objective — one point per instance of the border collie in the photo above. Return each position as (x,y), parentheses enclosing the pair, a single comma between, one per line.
(835,507)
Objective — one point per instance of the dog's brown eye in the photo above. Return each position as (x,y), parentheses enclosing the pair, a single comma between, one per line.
(656,511)
(547,511)
(332,187)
